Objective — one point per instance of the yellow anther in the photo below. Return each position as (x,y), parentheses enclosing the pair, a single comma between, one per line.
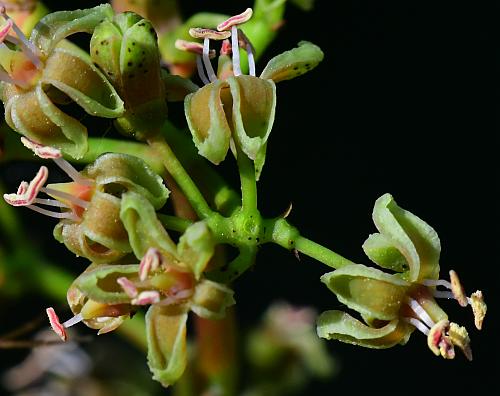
(478,308)
(457,289)
(458,336)
(203,33)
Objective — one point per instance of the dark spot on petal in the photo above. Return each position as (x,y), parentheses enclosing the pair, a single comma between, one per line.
(249,238)
(97,52)
(296,68)
(110,73)
(143,52)
(133,42)
(307,65)
(142,24)
(129,64)
(129,50)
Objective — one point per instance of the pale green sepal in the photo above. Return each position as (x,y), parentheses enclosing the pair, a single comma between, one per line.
(56,26)
(130,173)
(368,290)
(208,124)
(143,227)
(338,325)
(196,247)
(382,251)
(99,284)
(211,299)
(293,63)
(414,238)
(89,88)
(166,337)
(254,106)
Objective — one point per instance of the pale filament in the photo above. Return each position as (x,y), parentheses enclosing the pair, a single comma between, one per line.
(72,172)
(418,324)
(63,195)
(50,202)
(236,51)
(56,215)
(201,72)
(206,60)
(420,312)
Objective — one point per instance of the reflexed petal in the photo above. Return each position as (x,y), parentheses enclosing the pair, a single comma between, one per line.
(144,229)
(166,336)
(382,251)
(211,299)
(338,325)
(56,26)
(368,290)
(254,104)
(207,120)
(33,115)
(414,238)
(100,284)
(117,173)
(196,247)
(74,74)
(293,63)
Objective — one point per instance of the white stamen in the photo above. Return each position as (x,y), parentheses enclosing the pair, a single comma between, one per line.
(50,202)
(57,215)
(439,282)
(418,324)
(206,60)
(73,321)
(201,72)
(443,294)
(72,172)
(251,60)
(236,51)
(421,313)
(63,195)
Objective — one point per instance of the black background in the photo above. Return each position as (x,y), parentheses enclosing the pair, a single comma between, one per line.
(402,103)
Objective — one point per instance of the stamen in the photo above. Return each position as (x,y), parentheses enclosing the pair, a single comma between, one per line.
(418,324)
(236,51)
(127,286)
(56,215)
(28,47)
(146,298)
(245,43)
(73,321)
(457,289)
(438,282)
(203,33)
(421,313)
(4,31)
(479,308)
(64,195)
(72,172)
(206,60)
(56,324)
(27,193)
(235,20)
(443,294)
(439,342)
(50,202)
(150,262)
(201,71)
(193,47)
(459,337)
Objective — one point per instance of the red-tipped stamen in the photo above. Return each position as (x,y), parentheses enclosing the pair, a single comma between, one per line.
(26,195)
(147,297)
(4,31)
(225,49)
(235,20)
(236,51)
(56,324)
(150,262)
(211,34)
(128,287)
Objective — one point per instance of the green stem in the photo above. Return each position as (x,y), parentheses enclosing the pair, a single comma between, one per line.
(287,236)
(233,270)
(174,223)
(248,183)
(181,177)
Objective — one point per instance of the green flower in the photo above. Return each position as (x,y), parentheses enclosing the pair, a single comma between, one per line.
(168,281)
(393,304)
(233,107)
(90,224)
(47,72)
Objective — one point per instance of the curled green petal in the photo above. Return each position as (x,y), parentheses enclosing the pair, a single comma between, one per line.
(177,87)
(56,26)
(368,290)
(211,299)
(254,106)
(100,283)
(143,227)
(338,325)
(196,247)
(207,121)
(82,82)
(166,336)
(382,251)
(116,173)
(414,238)
(293,63)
